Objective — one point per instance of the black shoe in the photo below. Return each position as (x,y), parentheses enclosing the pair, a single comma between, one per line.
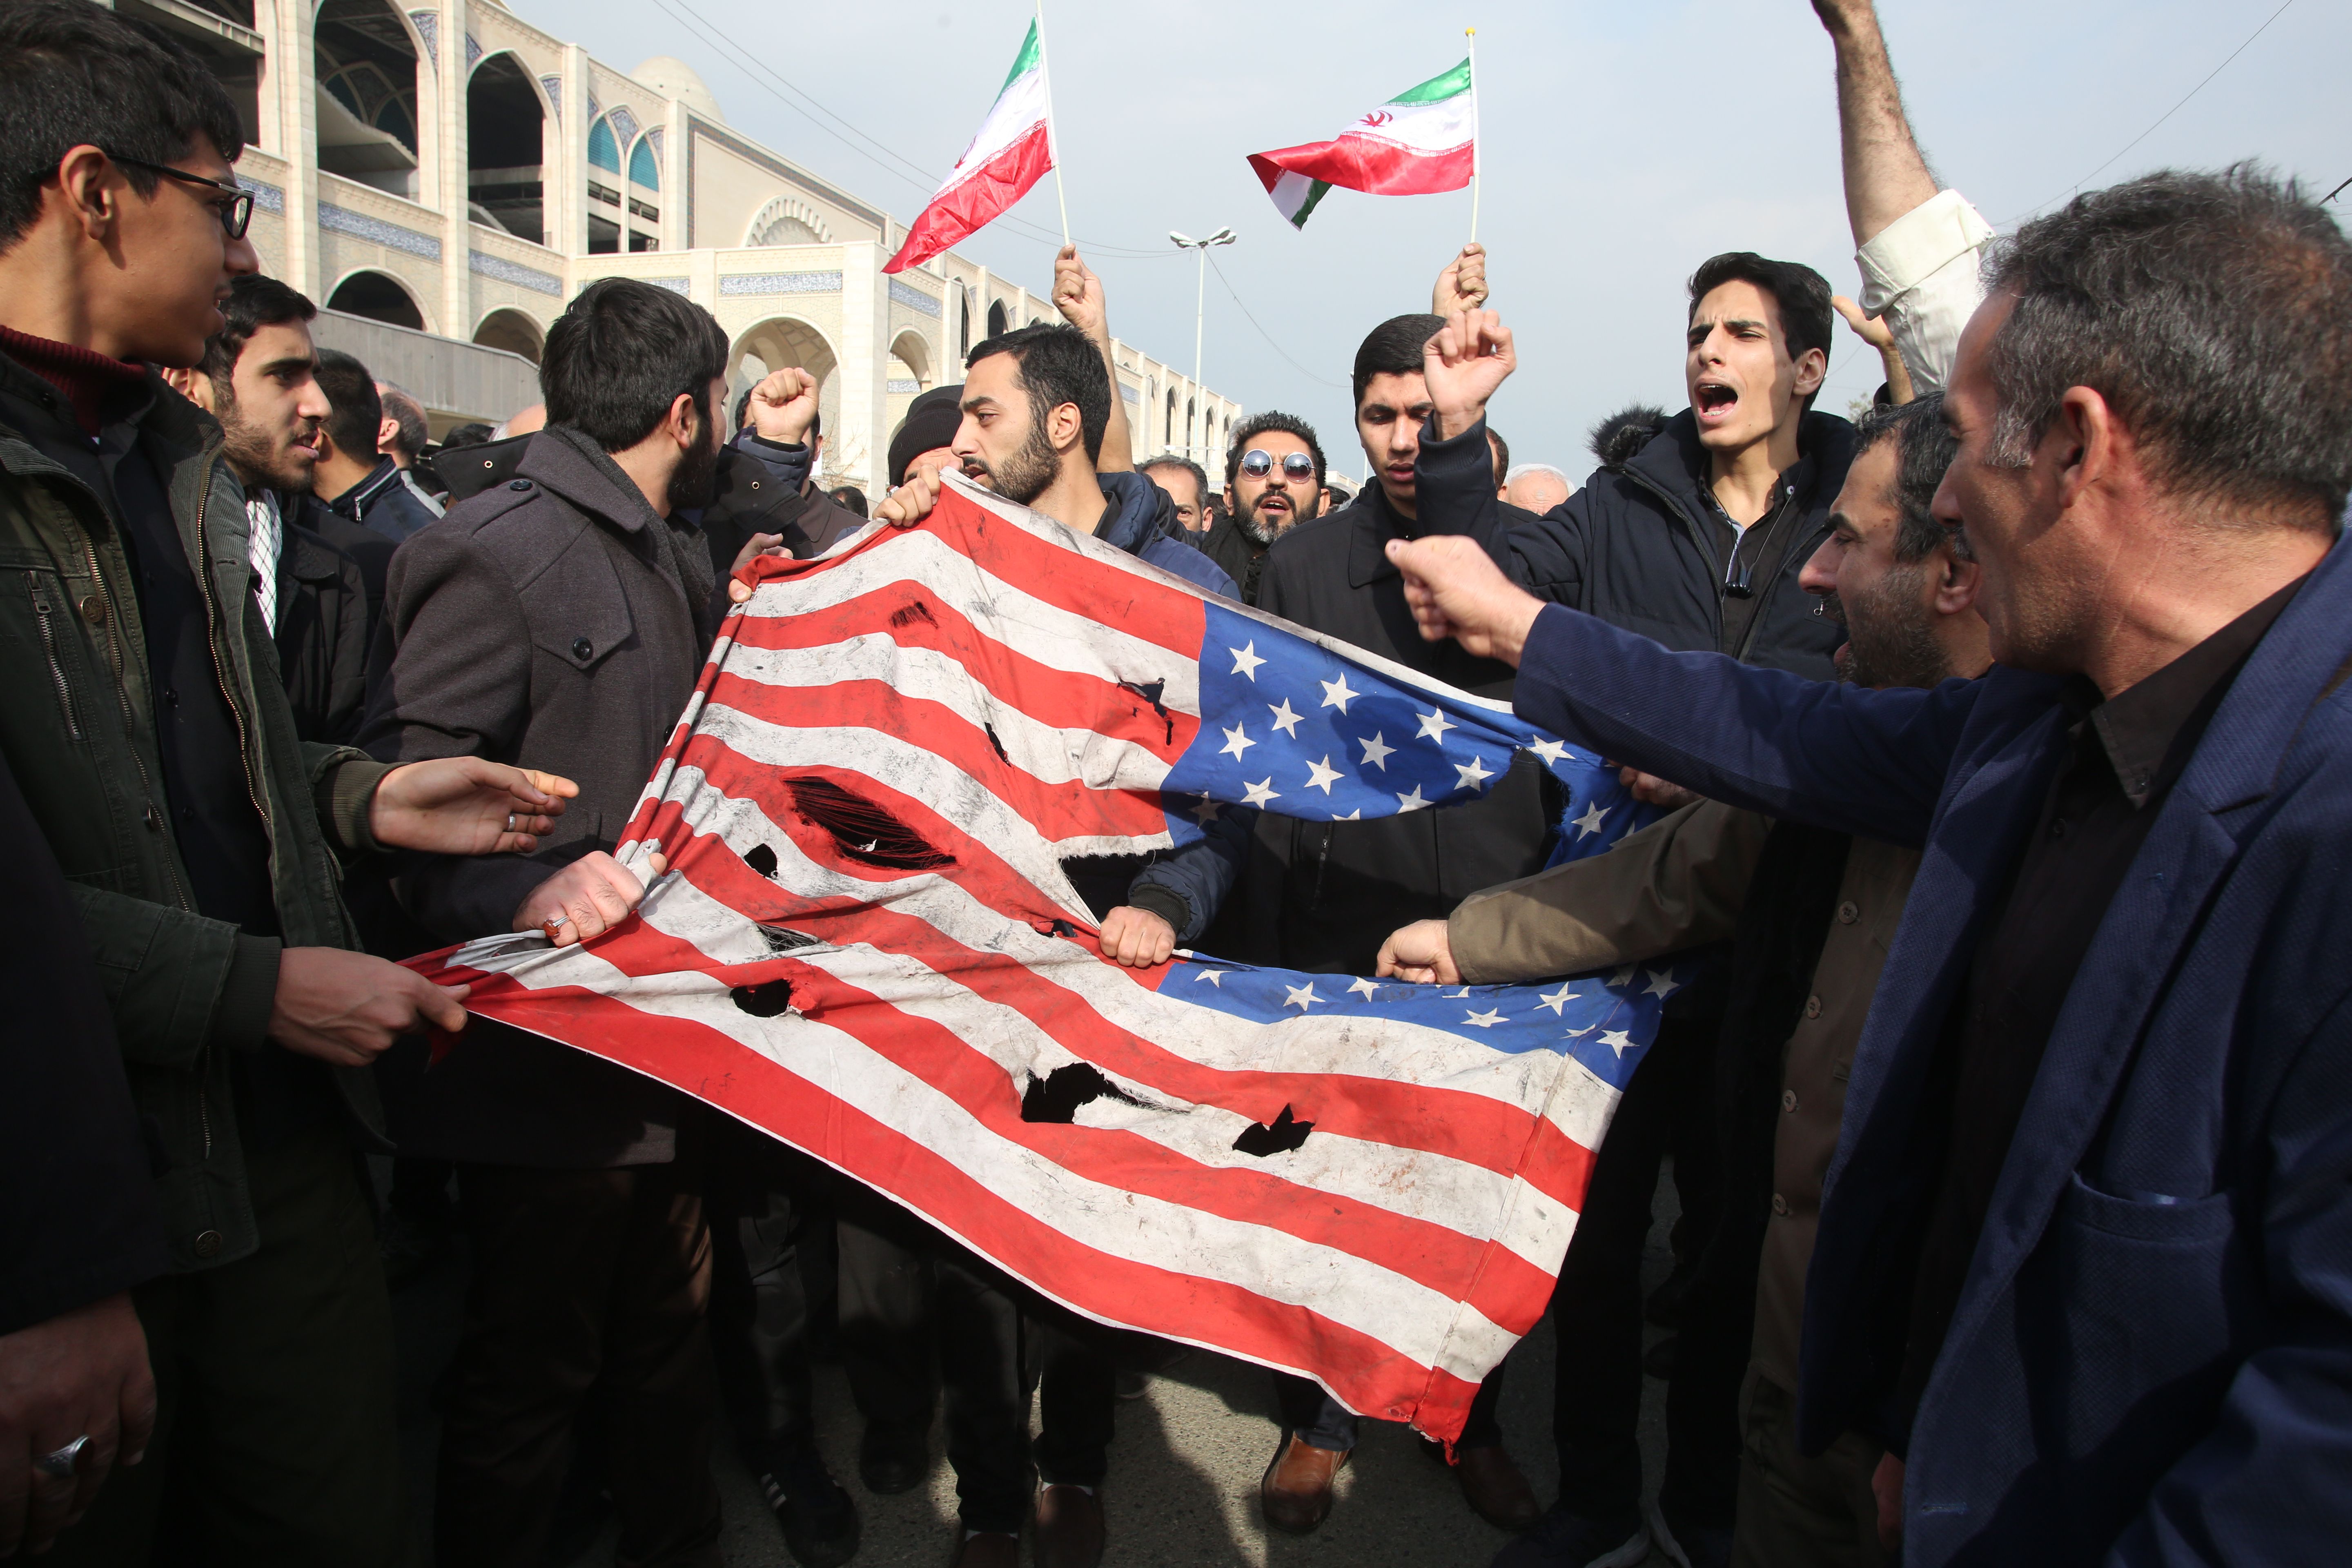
(1565,1539)
(409,1247)
(894,1459)
(819,1520)
(1658,1361)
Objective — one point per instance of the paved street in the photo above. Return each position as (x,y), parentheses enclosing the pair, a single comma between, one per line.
(1184,1471)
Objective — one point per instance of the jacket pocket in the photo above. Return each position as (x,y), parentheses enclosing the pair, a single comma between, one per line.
(2188,1221)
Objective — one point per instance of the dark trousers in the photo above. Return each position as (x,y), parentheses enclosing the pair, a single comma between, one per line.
(275,1439)
(585,1282)
(920,1313)
(1078,1404)
(1800,1510)
(1597,1307)
(1327,1424)
(767,1208)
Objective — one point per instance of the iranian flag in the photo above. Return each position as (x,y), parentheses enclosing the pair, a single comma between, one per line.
(1416,144)
(1012,148)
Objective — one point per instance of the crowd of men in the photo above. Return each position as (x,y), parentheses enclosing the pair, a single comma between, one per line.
(1999,732)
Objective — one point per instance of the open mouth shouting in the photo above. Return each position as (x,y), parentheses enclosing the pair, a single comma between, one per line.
(1713,401)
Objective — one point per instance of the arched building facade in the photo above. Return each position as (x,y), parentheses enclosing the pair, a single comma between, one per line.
(445,172)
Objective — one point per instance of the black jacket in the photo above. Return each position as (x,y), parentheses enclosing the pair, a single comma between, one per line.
(758,496)
(1640,546)
(78,1218)
(1323,896)
(1243,558)
(383,502)
(325,625)
(545,624)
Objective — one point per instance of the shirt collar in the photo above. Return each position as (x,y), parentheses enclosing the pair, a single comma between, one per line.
(2137,727)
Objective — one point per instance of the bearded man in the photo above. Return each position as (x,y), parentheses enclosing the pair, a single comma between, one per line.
(1274,480)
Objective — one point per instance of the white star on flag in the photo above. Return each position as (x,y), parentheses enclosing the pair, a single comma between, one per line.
(1355,815)
(1322,775)
(1300,996)
(1551,751)
(1237,742)
(1461,993)
(1215,977)
(1258,794)
(1366,987)
(1476,775)
(1245,660)
(1413,802)
(1206,812)
(1336,693)
(1558,1000)
(1487,1020)
(1622,977)
(1591,821)
(1662,984)
(1434,725)
(1284,720)
(1617,1040)
(1375,754)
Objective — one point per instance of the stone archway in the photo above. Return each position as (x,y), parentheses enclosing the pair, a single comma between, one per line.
(379,297)
(506,150)
(781,340)
(509,329)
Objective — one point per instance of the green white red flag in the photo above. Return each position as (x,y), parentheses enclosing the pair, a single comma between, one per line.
(1419,143)
(1012,150)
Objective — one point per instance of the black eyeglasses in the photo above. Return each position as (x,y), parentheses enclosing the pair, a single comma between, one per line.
(1297,466)
(235,213)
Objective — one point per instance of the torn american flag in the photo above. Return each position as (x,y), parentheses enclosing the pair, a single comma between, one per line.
(866,945)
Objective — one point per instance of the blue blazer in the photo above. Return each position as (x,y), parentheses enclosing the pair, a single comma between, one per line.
(2152,1358)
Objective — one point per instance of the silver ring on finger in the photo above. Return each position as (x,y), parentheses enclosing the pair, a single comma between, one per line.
(58,1463)
(510,821)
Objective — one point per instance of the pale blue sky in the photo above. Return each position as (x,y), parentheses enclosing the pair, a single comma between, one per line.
(1624,144)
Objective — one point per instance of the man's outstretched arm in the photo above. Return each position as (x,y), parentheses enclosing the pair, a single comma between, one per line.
(1872,763)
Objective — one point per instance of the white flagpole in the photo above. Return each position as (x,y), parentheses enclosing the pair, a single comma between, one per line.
(1477,144)
(1053,137)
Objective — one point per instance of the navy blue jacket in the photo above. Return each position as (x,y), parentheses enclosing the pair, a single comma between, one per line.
(1637,545)
(2152,1358)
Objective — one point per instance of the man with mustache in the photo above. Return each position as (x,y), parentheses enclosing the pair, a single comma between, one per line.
(1812,912)
(1273,476)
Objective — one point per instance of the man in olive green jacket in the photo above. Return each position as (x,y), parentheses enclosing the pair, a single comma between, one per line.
(203,840)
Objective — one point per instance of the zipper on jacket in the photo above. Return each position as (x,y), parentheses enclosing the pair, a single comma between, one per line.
(214,616)
(42,614)
(1322,859)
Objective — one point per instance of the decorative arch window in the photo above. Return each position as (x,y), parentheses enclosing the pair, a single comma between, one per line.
(363,87)
(1168,430)
(997,323)
(644,164)
(603,150)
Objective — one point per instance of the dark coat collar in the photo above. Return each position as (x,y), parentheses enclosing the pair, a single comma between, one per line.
(574,468)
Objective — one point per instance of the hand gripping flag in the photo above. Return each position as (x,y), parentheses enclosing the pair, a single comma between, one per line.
(1011,152)
(866,946)
(1416,144)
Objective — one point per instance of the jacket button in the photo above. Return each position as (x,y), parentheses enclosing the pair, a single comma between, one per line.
(581,648)
(1787,1099)
(517,484)
(1812,1006)
(1849,912)
(207,1244)
(153,818)
(1780,1205)
(93,609)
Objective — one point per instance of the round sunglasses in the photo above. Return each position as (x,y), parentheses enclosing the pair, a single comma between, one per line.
(1259,463)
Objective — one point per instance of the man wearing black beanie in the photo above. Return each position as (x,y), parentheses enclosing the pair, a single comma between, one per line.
(927,434)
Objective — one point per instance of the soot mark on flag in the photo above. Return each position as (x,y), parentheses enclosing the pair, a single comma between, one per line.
(763,860)
(780,939)
(1285,1134)
(1057,1096)
(864,831)
(907,615)
(995,741)
(765,1000)
(1153,693)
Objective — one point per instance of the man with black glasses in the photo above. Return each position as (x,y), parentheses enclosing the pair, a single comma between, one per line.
(1273,482)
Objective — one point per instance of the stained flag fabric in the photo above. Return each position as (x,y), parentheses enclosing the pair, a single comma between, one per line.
(1012,152)
(868,945)
(1420,143)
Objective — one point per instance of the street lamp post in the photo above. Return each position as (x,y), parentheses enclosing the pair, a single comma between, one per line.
(1199,317)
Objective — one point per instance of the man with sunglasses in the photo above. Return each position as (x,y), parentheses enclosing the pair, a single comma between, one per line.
(200,839)
(1273,482)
